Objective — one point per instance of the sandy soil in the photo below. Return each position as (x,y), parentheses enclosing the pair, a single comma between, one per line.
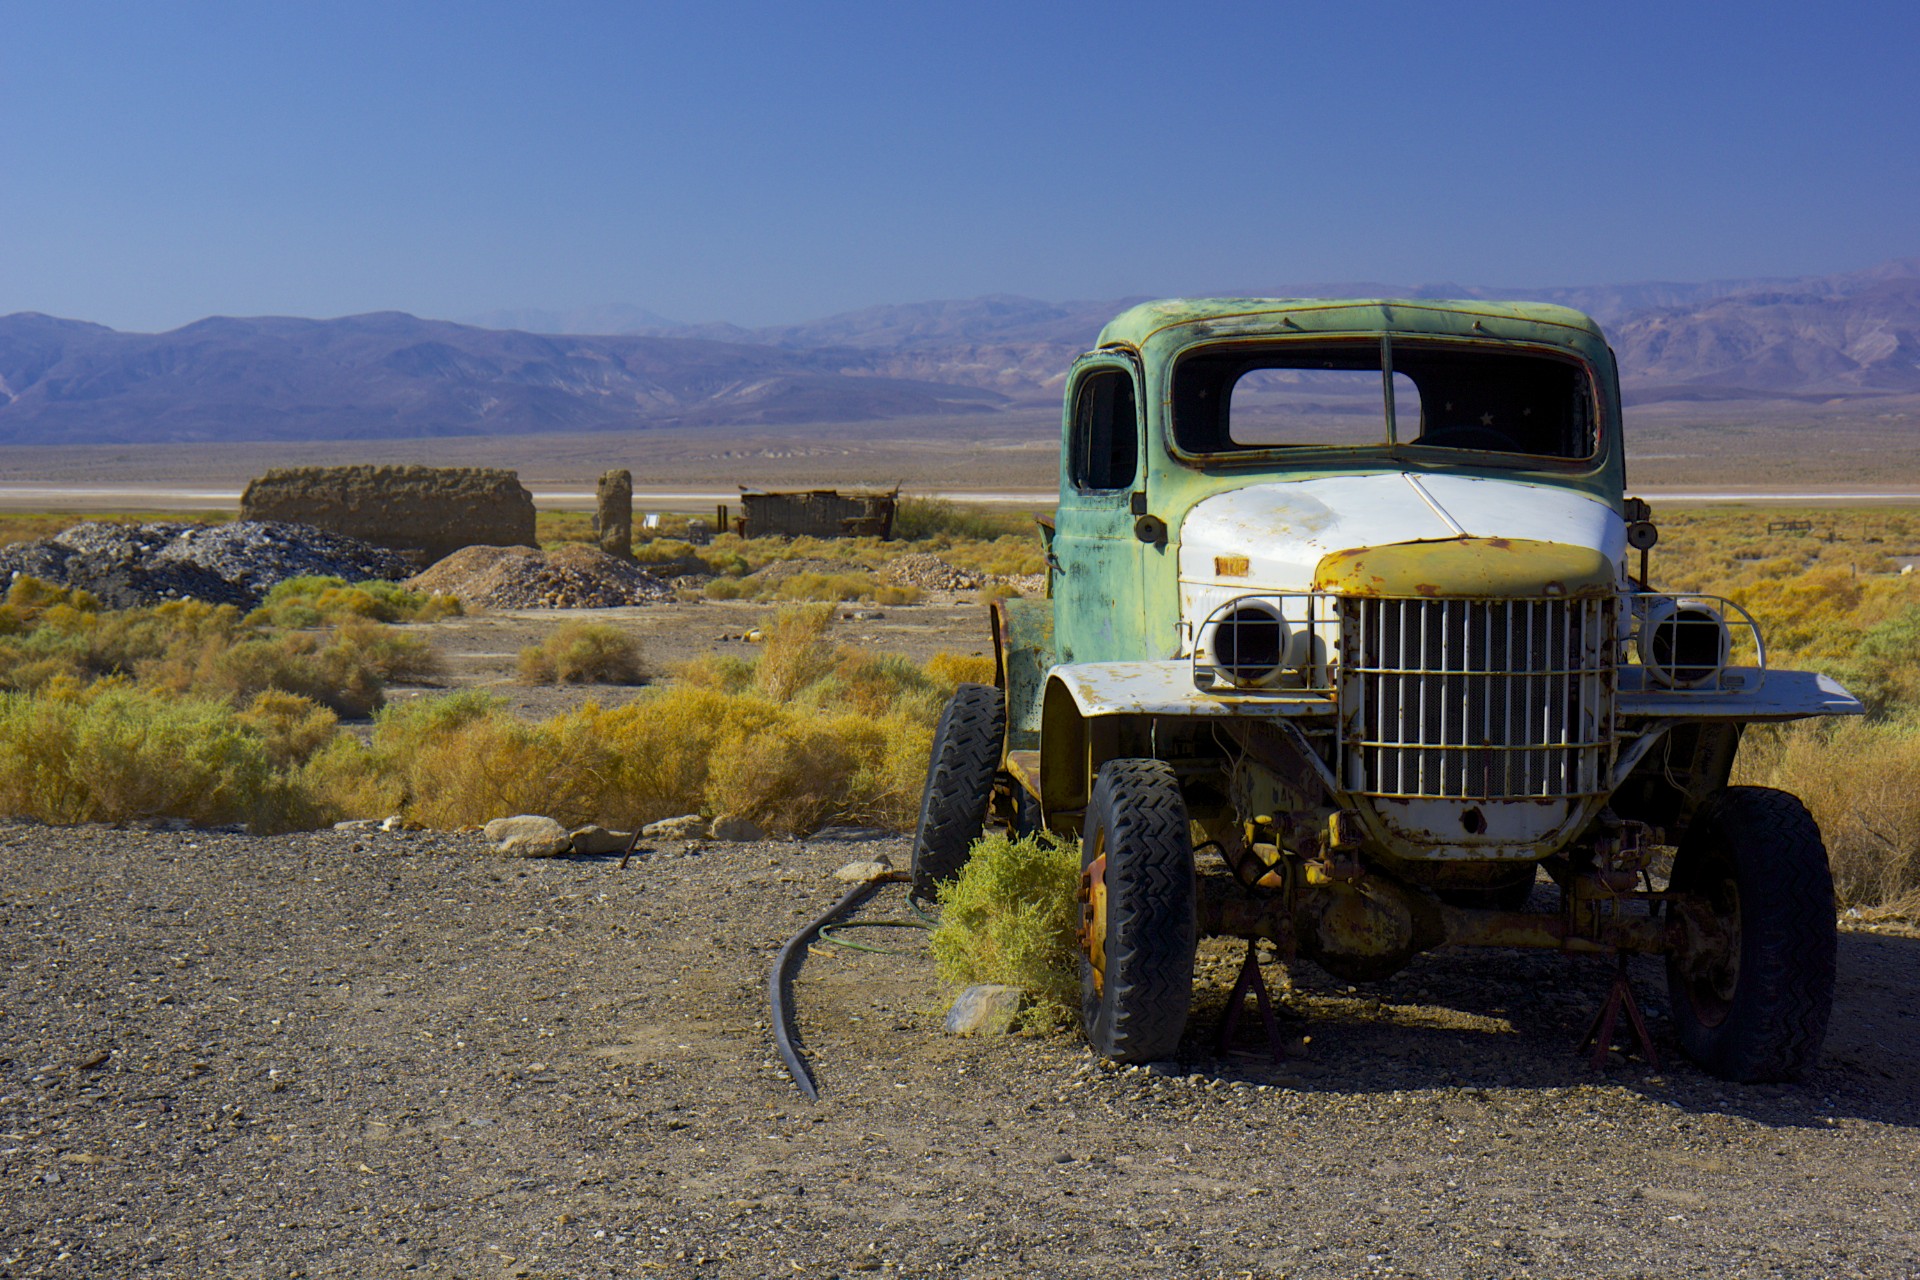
(369,1054)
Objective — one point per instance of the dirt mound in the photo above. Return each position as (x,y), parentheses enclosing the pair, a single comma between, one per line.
(574,577)
(929,573)
(781,570)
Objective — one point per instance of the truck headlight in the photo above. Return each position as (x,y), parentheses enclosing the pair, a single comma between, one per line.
(1683,643)
(1246,645)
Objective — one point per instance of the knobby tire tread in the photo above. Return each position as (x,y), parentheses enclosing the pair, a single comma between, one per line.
(953,807)
(1784,993)
(1142,1013)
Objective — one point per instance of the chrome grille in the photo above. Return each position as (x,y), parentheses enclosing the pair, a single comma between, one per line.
(1476,699)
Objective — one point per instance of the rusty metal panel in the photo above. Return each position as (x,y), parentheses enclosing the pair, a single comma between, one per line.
(1469,568)
(1022,655)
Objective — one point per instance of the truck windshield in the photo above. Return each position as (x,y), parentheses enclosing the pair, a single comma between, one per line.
(1372,392)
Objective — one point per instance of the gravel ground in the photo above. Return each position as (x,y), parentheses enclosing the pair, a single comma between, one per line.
(373,1054)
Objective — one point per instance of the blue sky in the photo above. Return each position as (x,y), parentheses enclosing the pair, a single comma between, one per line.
(765,163)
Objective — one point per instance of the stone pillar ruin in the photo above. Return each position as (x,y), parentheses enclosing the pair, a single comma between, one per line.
(613,522)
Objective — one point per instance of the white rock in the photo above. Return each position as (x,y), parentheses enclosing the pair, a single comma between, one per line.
(528,836)
(861,872)
(688,826)
(987,1009)
(731,826)
(595,839)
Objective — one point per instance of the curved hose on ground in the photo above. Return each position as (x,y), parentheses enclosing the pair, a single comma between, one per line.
(786,967)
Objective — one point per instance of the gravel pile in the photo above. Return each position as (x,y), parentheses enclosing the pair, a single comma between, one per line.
(132,565)
(929,573)
(573,577)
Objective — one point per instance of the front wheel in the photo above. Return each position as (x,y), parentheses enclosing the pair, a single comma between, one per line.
(1138,929)
(1751,976)
(953,808)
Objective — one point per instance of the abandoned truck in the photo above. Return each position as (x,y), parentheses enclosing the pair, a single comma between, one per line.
(1346,597)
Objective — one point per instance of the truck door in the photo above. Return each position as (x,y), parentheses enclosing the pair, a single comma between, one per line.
(1099,611)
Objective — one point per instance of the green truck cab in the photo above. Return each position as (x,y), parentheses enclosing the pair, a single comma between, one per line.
(1347,640)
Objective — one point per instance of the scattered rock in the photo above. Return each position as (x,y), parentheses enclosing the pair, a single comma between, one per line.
(851,834)
(360,824)
(732,826)
(127,566)
(595,839)
(571,577)
(928,572)
(987,1009)
(861,872)
(688,826)
(528,836)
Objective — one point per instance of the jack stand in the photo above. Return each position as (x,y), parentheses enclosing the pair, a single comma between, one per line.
(1250,980)
(1600,1030)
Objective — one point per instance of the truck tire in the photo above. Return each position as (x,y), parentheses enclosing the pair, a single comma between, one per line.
(1138,926)
(953,808)
(1751,980)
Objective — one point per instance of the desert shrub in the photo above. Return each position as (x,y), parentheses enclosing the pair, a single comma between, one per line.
(920,518)
(877,685)
(950,670)
(1010,916)
(491,765)
(1883,668)
(313,601)
(581,652)
(665,551)
(346,670)
(1860,780)
(1008,555)
(112,752)
(795,651)
(28,600)
(722,672)
(994,592)
(291,728)
(830,588)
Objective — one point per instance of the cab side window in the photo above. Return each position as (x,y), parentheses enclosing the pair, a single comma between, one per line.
(1106,432)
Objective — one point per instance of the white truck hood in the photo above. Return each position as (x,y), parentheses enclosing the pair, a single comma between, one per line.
(1270,537)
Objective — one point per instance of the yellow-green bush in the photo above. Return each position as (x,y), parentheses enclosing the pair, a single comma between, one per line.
(112,752)
(464,759)
(950,670)
(828,587)
(292,729)
(189,646)
(1861,781)
(1010,916)
(580,652)
(314,601)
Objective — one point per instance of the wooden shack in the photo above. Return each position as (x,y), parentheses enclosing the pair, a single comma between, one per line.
(817,513)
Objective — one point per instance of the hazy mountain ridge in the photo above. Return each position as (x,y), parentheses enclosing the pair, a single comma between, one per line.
(391,375)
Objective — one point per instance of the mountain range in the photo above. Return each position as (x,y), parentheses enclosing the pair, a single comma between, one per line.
(391,375)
